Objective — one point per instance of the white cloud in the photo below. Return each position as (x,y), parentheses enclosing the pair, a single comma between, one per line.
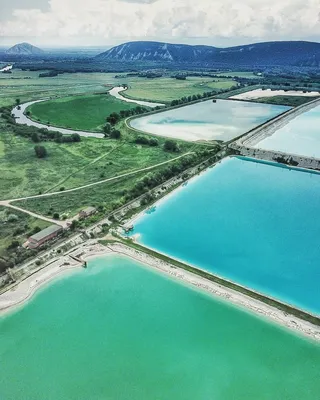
(172,19)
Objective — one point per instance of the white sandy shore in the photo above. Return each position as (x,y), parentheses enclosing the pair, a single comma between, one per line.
(259,93)
(25,289)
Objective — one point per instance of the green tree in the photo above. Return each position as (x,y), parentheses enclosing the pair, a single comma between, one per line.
(115,134)
(40,151)
(35,137)
(76,137)
(56,215)
(153,142)
(171,145)
(107,129)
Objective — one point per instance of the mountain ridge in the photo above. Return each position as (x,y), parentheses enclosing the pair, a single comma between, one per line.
(264,53)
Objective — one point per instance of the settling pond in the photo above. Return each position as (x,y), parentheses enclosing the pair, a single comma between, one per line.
(118,331)
(300,136)
(223,120)
(251,222)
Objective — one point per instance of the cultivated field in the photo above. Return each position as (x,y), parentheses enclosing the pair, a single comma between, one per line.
(87,112)
(168,89)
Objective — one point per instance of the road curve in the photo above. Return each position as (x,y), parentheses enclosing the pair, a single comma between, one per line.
(116,93)
(21,118)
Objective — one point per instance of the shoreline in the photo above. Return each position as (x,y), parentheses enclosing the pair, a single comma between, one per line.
(23,291)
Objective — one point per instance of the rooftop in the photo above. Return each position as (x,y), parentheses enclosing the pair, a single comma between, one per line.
(45,232)
(88,210)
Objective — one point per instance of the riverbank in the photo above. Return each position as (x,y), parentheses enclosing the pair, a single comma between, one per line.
(24,290)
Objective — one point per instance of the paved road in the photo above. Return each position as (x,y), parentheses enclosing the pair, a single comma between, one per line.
(19,114)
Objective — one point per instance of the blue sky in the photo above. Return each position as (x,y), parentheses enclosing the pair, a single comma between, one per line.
(108,22)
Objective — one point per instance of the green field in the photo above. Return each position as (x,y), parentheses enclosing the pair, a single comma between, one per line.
(168,89)
(87,112)
(70,165)
(27,86)
(293,101)
(15,226)
(71,203)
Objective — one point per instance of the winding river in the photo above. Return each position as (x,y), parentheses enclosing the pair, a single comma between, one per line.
(21,118)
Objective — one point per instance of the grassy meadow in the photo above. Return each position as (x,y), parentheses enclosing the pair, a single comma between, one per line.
(168,89)
(87,112)
(27,86)
(70,165)
(71,203)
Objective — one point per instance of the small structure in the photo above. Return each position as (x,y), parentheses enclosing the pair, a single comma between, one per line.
(87,212)
(43,236)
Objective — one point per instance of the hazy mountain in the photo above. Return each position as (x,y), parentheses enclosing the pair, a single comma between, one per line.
(24,49)
(269,53)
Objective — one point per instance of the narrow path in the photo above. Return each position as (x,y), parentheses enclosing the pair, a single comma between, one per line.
(6,202)
(52,221)
(84,167)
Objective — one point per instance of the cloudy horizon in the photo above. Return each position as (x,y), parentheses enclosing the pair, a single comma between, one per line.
(223,23)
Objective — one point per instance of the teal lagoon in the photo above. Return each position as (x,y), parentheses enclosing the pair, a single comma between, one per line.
(250,222)
(118,331)
(300,136)
(223,120)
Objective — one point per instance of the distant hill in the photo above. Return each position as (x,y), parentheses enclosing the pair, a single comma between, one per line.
(260,54)
(24,49)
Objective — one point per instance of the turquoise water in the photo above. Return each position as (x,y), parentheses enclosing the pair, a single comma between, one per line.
(300,136)
(223,120)
(254,223)
(117,331)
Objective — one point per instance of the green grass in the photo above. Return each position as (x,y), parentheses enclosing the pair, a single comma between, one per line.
(27,85)
(70,165)
(293,101)
(71,203)
(168,89)
(86,112)
(8,231)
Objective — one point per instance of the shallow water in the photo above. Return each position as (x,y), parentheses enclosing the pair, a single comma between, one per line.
(300,136)
(118,331)
(223,120)
(251,222)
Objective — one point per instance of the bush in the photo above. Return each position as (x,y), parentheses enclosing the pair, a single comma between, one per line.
(76,137)
(153,142)
(56,215)
(35,137)
(171,145)
(115,134)
(40,151)
(13,245)
(142,140)
(12,218)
